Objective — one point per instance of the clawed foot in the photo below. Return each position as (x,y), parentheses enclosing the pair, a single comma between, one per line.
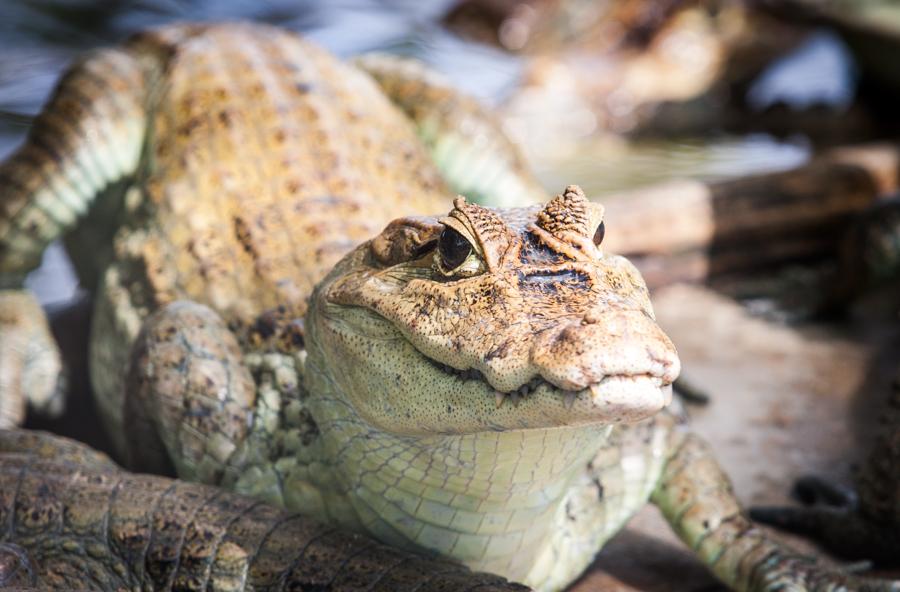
(830,515)
(30,362)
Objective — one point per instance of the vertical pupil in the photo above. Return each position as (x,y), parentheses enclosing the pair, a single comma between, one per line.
(454,248)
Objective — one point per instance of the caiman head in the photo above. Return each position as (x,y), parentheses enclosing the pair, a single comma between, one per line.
(492,320)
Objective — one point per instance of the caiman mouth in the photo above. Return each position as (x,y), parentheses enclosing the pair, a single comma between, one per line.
(595,393)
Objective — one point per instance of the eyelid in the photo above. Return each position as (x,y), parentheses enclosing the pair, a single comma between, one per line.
(460,227)
(461,271)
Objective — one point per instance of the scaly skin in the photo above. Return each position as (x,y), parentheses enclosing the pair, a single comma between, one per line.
(70,519)
(488,385)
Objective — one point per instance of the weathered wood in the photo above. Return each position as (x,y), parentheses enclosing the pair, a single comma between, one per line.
(688,230)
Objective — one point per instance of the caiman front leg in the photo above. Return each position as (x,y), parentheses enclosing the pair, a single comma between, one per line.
(88,138)
(189,398)
(696,498)
(30,364)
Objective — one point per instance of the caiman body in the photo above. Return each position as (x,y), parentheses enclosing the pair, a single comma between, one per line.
(488,386)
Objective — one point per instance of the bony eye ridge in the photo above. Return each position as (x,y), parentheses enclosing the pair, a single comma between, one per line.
(453,249)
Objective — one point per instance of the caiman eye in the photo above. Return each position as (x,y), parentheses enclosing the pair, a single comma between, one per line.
(599,234)
(453,249)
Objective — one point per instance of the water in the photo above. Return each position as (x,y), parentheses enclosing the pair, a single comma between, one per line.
(818,72)
(604,166)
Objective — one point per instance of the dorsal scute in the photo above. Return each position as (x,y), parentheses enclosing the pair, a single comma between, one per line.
(569,212)
(489,228)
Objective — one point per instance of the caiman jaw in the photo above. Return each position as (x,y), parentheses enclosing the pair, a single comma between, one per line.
(596,394)
(483,306)
(607,390)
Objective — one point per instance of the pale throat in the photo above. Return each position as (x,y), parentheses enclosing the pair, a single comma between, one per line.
(476,496)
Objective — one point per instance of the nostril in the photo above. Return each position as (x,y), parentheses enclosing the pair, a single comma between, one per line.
(568,335)
(667,362)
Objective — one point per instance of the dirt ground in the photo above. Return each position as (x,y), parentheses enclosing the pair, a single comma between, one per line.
(785,402)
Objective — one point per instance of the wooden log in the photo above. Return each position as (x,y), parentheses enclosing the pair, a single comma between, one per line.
(689,230)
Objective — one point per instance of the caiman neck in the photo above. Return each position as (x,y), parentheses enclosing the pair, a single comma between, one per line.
(488,499)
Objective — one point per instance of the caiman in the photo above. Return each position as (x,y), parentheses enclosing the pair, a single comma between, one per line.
(279,311)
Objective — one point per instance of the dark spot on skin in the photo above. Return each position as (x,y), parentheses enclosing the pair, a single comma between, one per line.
(599,487)
(264,326)
(498,352)
(293,334)
(242,233)
(225,118)
(706,525)
(189,126)
(449,409)
(303,87)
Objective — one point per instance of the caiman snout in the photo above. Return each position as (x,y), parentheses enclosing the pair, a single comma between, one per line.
(582,352)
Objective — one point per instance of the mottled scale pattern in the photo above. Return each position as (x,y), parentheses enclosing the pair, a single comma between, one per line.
(266,160)
(70,519)
(265,166)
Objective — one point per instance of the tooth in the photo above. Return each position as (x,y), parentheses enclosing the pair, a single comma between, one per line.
(523,390)
(499,398)
(570,399)
(515,397)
